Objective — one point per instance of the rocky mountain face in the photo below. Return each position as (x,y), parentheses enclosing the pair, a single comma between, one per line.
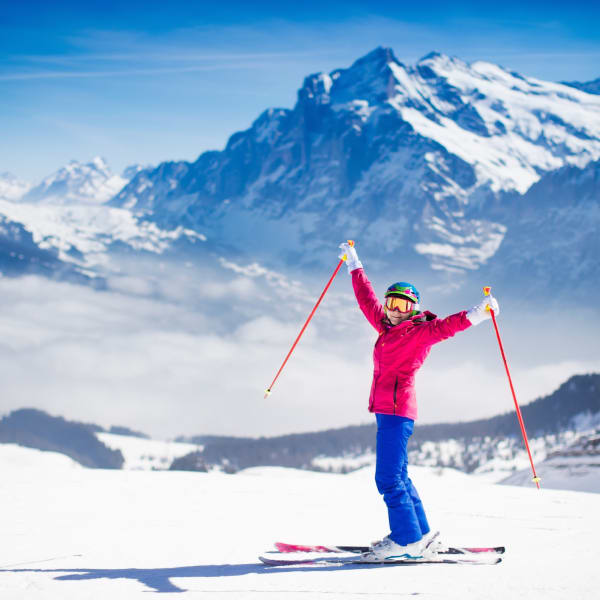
(463,170)
(553,241)
(422,159)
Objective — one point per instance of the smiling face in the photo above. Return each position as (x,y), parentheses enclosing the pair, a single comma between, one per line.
(396,317)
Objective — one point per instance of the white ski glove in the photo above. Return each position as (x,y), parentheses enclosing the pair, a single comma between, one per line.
(478,313)
(352,261)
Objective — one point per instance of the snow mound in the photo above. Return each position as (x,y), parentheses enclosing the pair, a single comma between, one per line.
(19,458)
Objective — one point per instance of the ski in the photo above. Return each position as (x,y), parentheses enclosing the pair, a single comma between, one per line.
(285,548)
(351,560)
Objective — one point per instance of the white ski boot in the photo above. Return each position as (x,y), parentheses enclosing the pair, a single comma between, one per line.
(387,549)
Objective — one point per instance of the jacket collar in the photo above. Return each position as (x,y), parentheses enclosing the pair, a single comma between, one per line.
(418,319)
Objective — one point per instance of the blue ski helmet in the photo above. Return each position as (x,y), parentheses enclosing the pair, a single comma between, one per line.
(402,289)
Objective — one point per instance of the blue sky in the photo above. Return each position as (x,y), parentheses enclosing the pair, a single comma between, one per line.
(151,81)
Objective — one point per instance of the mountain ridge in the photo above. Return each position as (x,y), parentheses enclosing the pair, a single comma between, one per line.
(591,87)
(33,428)
(438,161)
(407,156)
(547,416)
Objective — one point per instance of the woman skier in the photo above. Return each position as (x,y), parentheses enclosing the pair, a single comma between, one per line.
(405,338)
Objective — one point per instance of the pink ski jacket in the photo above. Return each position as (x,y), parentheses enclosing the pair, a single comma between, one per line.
(400,350)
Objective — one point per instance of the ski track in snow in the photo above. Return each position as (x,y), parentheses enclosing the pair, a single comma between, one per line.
(72,533)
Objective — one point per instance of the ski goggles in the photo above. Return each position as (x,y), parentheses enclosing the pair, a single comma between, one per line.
(400,304)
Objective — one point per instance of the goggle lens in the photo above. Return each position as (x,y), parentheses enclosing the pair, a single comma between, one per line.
(400,304)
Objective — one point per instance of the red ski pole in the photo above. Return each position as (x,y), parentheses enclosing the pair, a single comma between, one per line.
(536,479)
(268,391)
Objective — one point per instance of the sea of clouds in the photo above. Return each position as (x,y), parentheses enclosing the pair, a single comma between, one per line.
(187,349)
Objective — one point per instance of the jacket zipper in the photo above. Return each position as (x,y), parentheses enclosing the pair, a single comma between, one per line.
(375,377)
(395,388)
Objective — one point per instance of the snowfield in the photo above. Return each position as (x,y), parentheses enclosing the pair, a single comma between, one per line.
(146,454)
(76,533)
(84,234)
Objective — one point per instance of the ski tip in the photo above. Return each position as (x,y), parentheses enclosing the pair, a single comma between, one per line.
(495,560)
(485,550)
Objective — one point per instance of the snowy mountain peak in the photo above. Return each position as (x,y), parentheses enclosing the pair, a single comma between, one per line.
(78,183)
(440,61)
(510,128)
(368,79)
(377,58)
(99,163)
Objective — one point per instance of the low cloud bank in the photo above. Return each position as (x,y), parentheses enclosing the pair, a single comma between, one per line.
(192,354)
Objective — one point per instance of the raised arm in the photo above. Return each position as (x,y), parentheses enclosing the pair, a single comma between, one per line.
(363,290)
(441,329)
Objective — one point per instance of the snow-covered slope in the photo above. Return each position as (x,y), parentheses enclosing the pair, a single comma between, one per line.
(576,467)
(30,459)
(20,254)
(145,454)
(66,216)
(92,533)
(83,234)
(395,156)
(78,183)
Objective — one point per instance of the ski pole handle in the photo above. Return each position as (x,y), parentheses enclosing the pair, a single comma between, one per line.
(351,244)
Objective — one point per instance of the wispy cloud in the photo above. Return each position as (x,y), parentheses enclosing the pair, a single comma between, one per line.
(160,57)
(279,42)
(127,72)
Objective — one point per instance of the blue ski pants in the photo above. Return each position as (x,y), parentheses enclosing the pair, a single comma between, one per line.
(408,522)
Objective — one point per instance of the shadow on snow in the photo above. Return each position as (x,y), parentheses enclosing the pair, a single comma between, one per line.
(159,580)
